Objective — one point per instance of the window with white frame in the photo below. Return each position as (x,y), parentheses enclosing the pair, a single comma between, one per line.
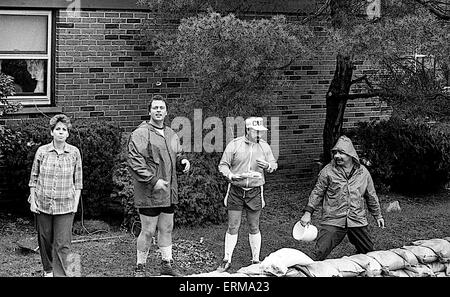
(428,62)
(25,54)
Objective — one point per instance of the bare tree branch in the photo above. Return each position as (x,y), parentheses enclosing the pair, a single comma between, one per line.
(436,9)
(365,79)
(359,79)
(318,12)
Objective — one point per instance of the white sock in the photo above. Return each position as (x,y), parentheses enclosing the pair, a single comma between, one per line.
(255,245)
(230,243)
(166,252)
(48,274)
(142,257)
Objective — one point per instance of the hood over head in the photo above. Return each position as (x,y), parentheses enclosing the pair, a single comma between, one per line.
(345,145)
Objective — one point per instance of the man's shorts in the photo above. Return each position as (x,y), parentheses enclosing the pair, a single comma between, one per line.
(237,198)
(156,211)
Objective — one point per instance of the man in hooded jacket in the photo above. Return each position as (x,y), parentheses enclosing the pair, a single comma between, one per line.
(343,188)
(154,154)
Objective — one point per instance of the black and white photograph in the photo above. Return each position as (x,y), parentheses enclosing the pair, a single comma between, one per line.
(225,147)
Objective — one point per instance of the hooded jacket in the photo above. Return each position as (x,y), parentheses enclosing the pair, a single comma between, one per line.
(152,156)
(343,200)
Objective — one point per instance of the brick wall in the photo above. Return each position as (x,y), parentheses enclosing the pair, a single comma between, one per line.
(104,71)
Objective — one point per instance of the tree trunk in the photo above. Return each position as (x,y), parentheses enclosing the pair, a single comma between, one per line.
(336,102)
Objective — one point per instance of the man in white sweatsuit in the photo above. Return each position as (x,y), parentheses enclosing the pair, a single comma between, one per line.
(243,163)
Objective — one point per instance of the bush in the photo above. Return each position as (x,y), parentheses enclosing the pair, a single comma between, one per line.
(99,144)
(200,192)
(232,62)
(18,146)
(6,90)
(405,156)
(123,189)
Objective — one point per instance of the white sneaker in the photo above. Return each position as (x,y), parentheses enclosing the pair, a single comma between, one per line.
(224,266)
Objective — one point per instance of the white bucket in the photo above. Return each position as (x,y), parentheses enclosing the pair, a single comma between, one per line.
(305,233)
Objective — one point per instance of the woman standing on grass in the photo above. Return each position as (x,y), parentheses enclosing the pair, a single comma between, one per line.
(55,188)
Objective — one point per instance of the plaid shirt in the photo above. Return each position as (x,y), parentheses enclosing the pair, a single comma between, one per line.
(56,177)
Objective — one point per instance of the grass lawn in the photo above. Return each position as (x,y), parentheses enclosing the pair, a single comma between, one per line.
(199,249)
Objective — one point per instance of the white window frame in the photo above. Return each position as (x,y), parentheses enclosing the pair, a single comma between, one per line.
(419,58)
(31,100)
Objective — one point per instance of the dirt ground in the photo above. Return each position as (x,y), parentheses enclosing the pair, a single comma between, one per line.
(108,251)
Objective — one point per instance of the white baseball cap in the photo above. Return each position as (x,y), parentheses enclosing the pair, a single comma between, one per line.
(255,123)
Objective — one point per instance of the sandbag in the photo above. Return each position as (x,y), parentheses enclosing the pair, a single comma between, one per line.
(441,247)
(346,267)
(274,267)
(322,269)
(303,269)
(388,260)
(291,257)
(408,256)
(437,267)
(421,270)
(423,254)
(211,274)
(294,272)
(253,269)
(237,274)
(278,262)
(399,273)
(371,266)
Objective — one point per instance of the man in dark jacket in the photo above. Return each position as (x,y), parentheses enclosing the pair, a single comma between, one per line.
(154,151)
(342,189)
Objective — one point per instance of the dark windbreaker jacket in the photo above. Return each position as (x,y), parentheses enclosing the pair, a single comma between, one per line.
(152,156)
(343,200)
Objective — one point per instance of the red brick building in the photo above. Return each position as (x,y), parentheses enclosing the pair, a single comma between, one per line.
(87,59)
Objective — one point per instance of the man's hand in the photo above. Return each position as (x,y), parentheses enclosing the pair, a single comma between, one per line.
(187,165)
(380,223)
(306,218)
(235,177)
(161,185)
(262,163)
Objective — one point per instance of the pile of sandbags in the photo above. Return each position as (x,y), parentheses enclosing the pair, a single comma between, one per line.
(277,263)
(423,258)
